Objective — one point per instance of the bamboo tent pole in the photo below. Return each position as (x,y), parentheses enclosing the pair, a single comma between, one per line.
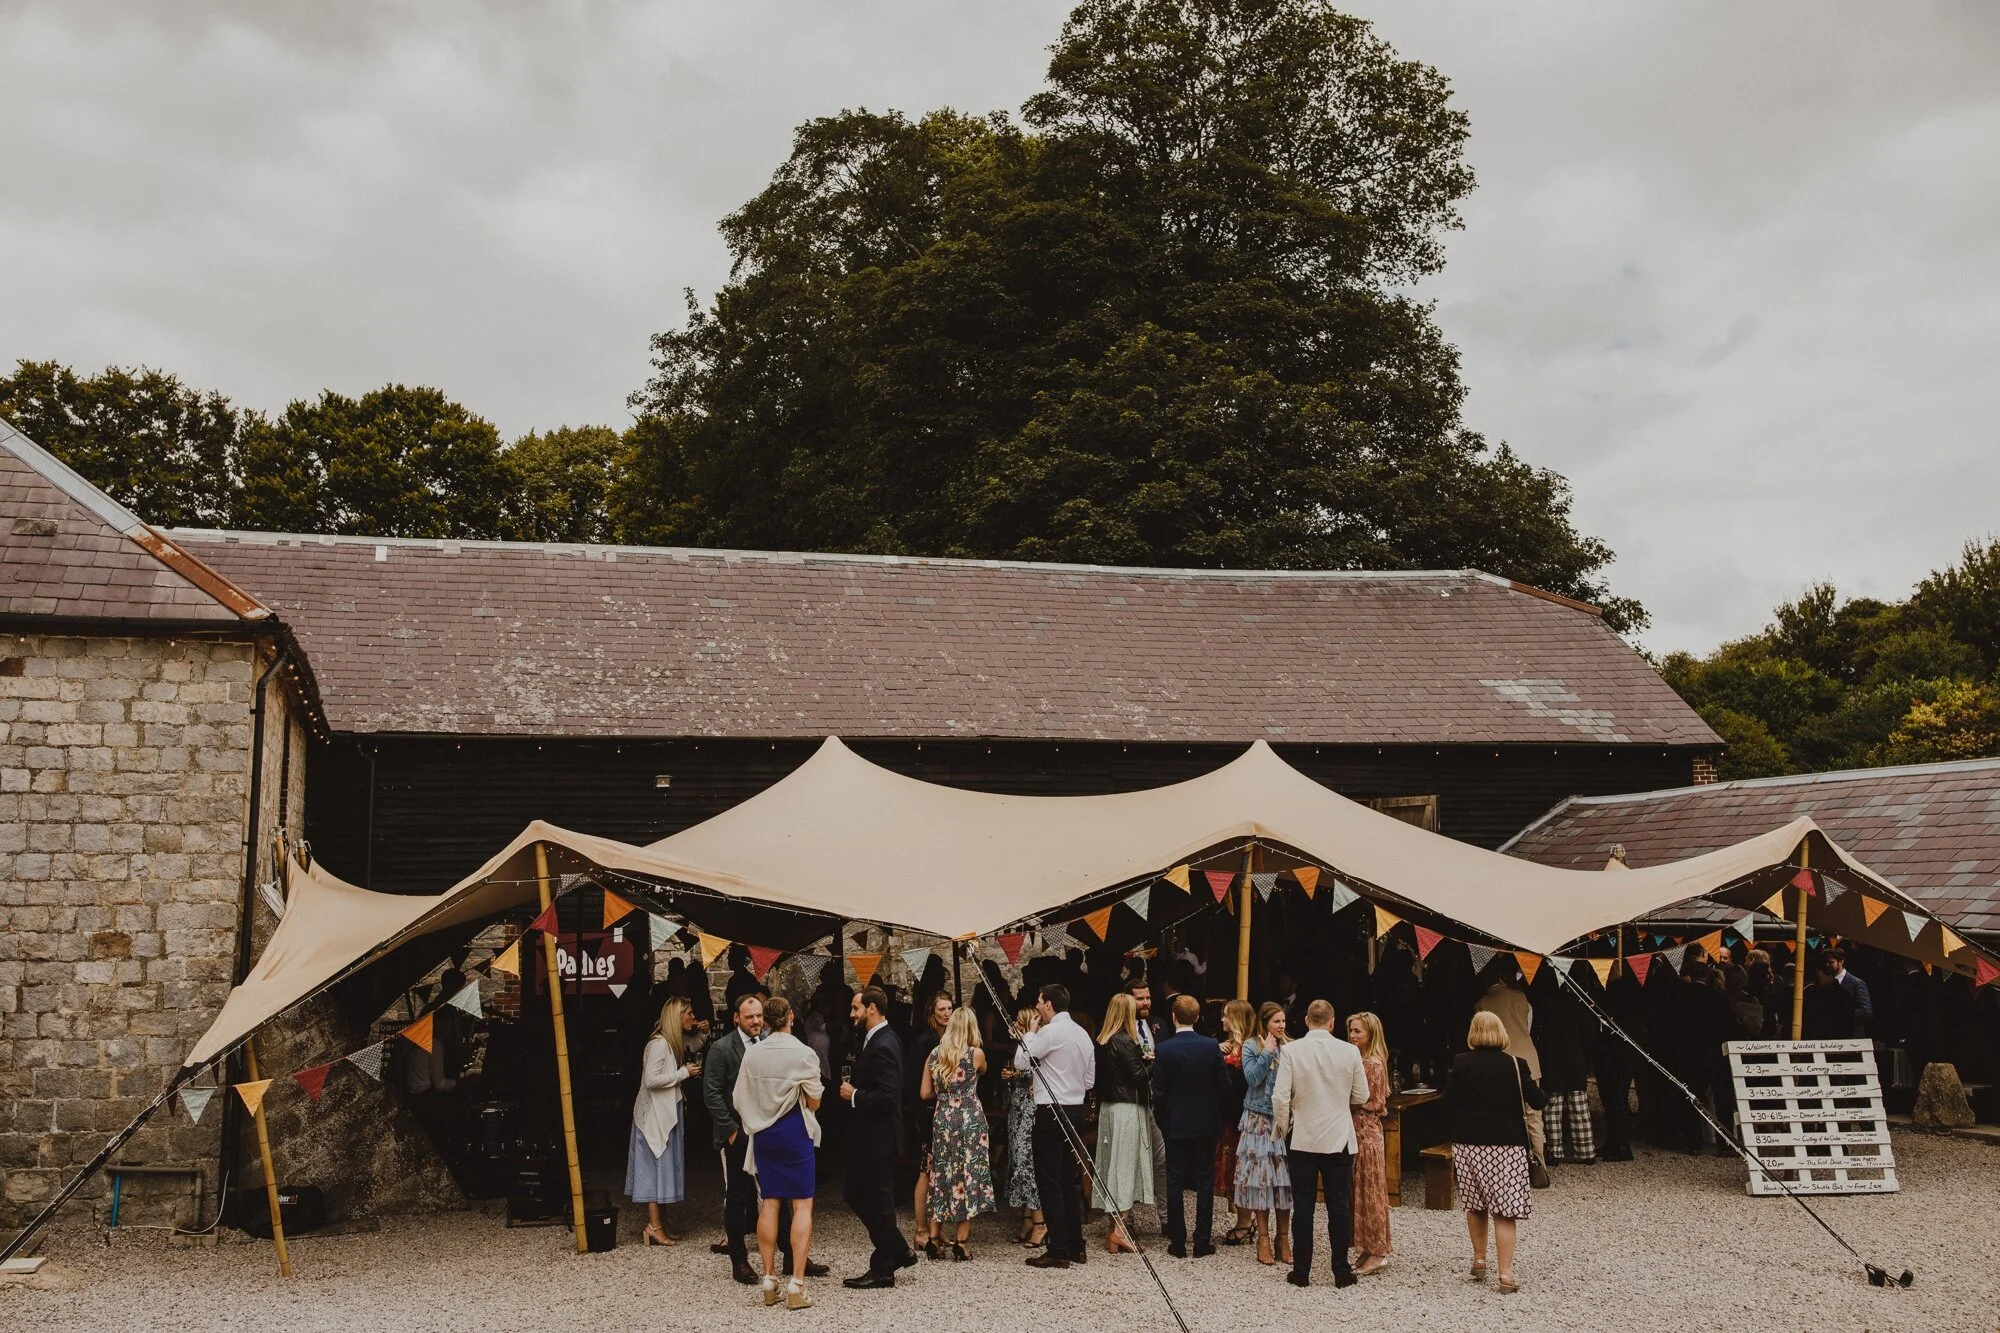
(562,1052)
(1245,896)
(270,1176)
(1799,951)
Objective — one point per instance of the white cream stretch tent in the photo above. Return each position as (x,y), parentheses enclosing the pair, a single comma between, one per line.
(846,838)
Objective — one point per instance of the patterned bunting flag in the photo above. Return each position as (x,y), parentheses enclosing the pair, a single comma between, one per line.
(1056,938)
(659,929)
(1952,943)
(1531,963)
(1806,882)
(1481,956)
(369,1059)
(1831,890)
(810,966)
(546,922)
(916,960)
(570,879)
(313,1080)
(1983,974)
(1264,881)
(1099,922)
(864,966)
(762,959)
(1340,896)
(1675,957)
(195,1100)
(1141,901)
(1915,923)
(1010,945)
(1641,964)
(508,960)
(1775,904)
(1426,941)
(1385,920)
(468,1000)
(420,1031)
(1308,878)
(1178,877)
(1219,882)
(615,908)
(711,947)
(253,1093)
(1872,909)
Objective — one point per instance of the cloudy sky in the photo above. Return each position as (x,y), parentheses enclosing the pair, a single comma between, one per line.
(1731,268)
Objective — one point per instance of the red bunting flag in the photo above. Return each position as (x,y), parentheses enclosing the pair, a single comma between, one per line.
(546,922)
(1010,944)
(313,1080)
(615,908)
(1640,963)
(763,959)
(1099,922)
(420,1031)
(1219,882)
(1806,882)
(1426,940)
(1984,973)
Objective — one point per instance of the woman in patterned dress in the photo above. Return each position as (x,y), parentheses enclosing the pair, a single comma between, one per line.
(1483,1103)
(1263,1181)
(961,1183)
(1021,1190)
(1371,1168)
(1239,1024)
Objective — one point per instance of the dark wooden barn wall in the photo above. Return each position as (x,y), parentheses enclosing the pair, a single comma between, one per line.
(442,806)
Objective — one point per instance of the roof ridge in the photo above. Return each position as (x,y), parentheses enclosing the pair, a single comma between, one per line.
(1781,780)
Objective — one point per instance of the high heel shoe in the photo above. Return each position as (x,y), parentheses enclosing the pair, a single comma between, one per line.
(654,1236)
(1264,1255)
(796,1299)
(1038,1237)
(959,1254)
(934,1248)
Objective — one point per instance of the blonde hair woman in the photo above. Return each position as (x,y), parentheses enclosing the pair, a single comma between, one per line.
(1021,1191)
(1124,1129)
(961,1144)
(1371,1168)
(655,1170)
(1484,1101)
(1239,1025)
(1263,1181)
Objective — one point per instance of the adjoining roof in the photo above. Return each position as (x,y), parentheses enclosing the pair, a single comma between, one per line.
(553,640)
(1933,830)
(68,551)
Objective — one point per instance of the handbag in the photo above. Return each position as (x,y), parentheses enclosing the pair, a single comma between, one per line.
(1538,1171)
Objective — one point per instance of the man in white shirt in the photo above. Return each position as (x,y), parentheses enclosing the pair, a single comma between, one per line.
(1320,1080)
(1064,1068)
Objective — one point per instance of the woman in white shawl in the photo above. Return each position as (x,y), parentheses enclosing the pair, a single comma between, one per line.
(654,1168)
(777,1091)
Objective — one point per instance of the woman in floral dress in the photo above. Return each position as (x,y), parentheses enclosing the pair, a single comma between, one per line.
(1371,1168)
(1021,1190)
(961,1163)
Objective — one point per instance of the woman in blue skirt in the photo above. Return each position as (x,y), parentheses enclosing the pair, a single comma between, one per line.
(777,1091)
(655,1169)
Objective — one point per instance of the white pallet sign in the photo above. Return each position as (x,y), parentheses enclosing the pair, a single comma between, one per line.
(1810,1112)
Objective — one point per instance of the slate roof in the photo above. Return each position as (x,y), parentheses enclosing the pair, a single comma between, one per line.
(68,550)
(550,640)
(1932,830)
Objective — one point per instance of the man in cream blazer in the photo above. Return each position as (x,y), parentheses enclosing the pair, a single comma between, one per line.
(1320,1079)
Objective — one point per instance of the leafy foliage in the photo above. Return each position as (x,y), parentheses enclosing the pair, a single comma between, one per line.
(562,485)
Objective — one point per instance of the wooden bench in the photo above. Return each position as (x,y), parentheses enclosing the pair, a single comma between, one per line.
(1437,1176)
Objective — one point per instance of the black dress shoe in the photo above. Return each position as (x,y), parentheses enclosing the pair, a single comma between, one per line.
(871,1281)
(814,1268)
(1346,1279)
(1203,1251)
(908,1261)
(719,1247)
(1048,1261)
(1178,1251)
(744,1273)
(1298,1279)
(1080,1257)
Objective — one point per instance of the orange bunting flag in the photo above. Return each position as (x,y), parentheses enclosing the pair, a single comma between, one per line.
(546,922)
(1952,943)
(616,908)
(312,1080)
(1010,944)
(1219,882)
(1775,904)
(1984,973)
(1385,920)
(1806,882)
(1641,964)
(1426,941)
(1531,963)
(1871,909)
(253,1093)
(420,1031)
(711,947)
(763,959)
(1178,877)
(1099,922)
(1308,878)
(1710,944)
(508,960)
(864,966)
(1601,966)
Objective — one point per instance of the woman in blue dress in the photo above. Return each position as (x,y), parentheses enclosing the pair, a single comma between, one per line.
(777,1092)
(654,1168)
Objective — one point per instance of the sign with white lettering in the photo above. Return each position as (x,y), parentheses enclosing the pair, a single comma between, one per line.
(595,962)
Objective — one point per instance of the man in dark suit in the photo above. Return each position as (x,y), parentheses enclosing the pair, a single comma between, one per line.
(1190,1085)
(876,1094)
(1856,988)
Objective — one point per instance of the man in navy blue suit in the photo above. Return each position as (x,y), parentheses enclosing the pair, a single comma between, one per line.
(1190,1086)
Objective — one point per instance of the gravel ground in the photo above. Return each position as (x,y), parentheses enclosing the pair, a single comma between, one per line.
(1667,1242)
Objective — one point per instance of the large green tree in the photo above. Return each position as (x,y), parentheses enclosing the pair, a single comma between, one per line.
(1164,321)
(562,484)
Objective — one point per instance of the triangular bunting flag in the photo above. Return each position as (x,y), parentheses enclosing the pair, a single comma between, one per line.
(420,1031)
(762,959)
(253,1093)
(616,908)
(313,1080)
(1641,964)
(1308,878)
(1676,957)
(1775,904)
(1385,920)
(1178,877)
(1831,890)
(1806,882)
(617,988)
(1659,939)
(1426,941)
(1871,909)
(468,1000)
(659,929)
(546,922)
(1601,966)
(917,960)
(1481,956)
(195,1100)
(860,938)
(570,879)
(1056,938)
(864,966)
(1340,896)
(1010,944)
(1264,881)
(712,947)
(1952,943)
(1983,974)
(1141,901)
(369,1059)
(1747,928)
(1531,963)
(1710,944)
(1099,922)
(1915,923)
(508,960)
(1219,882)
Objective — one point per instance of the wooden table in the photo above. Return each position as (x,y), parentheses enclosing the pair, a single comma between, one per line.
(1392,1136)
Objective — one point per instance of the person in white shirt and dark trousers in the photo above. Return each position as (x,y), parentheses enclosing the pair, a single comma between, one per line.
(1320,1080)
(1062,1061)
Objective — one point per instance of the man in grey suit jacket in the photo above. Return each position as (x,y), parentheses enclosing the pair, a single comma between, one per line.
(1320,1081)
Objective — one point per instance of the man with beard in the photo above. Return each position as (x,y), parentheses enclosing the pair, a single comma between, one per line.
(875,1091)
(720,1066)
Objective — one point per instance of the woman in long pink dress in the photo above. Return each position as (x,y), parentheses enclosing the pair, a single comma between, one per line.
(1371,1173)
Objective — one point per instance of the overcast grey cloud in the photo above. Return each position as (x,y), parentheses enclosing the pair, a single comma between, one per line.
(1731,268)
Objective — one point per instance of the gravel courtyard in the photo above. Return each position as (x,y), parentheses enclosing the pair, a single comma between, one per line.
(1667,1242)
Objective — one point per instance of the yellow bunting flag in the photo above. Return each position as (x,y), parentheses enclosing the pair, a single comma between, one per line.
(1178,877)
(1952,943)
(253,1093)
(616,908)
(1601,966)
(508,960)
(420,1031)
(1385,920)
(1308,878)
(711,947)
(1775,904)
(1531,963)
(1871,909)
(864,966)
(1099,922)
